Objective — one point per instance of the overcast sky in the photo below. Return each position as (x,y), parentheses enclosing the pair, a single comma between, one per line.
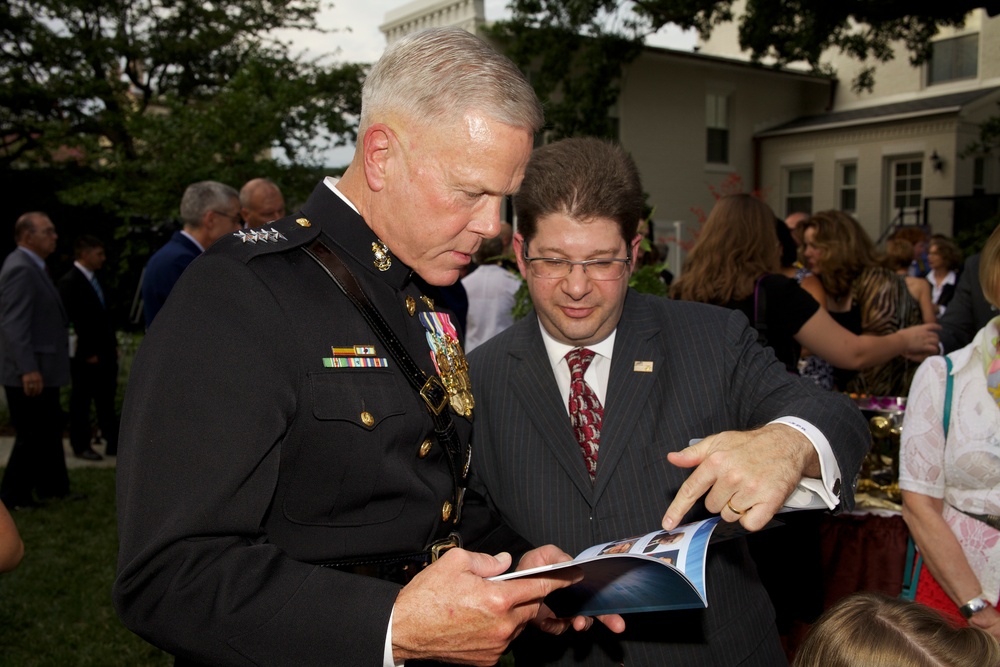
(358,39)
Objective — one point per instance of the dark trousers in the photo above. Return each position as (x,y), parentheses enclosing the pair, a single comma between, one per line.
(94,383)
(37,462)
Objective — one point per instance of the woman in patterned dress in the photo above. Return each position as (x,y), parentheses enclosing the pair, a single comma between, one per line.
(862,296)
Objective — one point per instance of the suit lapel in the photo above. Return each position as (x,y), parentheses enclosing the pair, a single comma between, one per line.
(636,346)
(535,387)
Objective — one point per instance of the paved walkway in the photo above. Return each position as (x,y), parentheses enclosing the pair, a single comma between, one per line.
(7,443)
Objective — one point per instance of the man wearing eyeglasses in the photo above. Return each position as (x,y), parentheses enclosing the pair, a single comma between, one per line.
(209,210)
(587,407)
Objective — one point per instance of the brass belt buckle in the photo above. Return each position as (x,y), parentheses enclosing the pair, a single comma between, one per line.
(434,394)
(438,548)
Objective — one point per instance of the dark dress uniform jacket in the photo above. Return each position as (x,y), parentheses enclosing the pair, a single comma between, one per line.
(245,463)
(704,374)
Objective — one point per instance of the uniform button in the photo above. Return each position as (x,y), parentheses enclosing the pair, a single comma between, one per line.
(425,448)
(303,222)
(411,305)
(367,419)
(446,511)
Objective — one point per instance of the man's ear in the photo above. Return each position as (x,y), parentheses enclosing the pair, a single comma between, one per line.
(519,244)
(378,142)
(635,248)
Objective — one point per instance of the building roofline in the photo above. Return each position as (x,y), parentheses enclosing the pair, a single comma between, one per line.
(923,107)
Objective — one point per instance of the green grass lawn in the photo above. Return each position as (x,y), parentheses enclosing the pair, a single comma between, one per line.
(55,609)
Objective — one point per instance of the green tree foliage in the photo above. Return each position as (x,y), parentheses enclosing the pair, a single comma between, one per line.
(142,97)
(575,49)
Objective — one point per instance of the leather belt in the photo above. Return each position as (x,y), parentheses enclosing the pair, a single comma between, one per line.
(397,568)
(430,388)
(991,520)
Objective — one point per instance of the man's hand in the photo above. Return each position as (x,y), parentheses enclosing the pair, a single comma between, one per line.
(747,474)
(451,613)
(33,383)
(545,620)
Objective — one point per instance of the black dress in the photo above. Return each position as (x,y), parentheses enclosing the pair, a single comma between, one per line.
(783,310)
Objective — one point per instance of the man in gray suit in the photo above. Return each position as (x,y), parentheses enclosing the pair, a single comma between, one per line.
(35,342)
(661,374)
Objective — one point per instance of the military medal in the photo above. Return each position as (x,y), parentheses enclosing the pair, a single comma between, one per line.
(449,360)
(382,260)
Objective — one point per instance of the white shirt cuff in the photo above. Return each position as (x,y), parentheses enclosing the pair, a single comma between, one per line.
(387,660)
(815,493)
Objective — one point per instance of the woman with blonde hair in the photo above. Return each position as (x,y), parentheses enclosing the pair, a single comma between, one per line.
(875,630)
(863,297)
(735,264)
(949,469)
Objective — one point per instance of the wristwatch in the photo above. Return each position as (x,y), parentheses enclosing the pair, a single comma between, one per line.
(973,606)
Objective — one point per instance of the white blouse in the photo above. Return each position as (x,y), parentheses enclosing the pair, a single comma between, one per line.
(965,470)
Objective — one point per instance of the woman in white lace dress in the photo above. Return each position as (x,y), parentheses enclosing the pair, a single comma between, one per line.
(951,485)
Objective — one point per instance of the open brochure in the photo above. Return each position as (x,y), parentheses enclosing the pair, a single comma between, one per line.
(657,571)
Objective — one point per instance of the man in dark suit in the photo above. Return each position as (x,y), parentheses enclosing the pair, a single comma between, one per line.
(94,362)
(210,210)
(578,456)
(284,490)
(968,311)
(35,342)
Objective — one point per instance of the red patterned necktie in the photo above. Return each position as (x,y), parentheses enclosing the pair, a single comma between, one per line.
(585,410)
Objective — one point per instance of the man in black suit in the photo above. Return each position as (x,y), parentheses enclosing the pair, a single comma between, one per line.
(284,490)
(968,311)
(578,453)
(35,342)
(94,363)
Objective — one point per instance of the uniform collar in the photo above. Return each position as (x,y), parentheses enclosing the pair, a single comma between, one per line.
(343,225)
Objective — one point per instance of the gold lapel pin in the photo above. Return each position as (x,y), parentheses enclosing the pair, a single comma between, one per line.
(642,366)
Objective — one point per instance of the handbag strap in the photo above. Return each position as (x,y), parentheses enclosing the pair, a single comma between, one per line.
(949,385)
(430,388)
(914,561)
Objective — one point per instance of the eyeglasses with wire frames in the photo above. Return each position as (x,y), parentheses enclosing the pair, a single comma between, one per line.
(595,269)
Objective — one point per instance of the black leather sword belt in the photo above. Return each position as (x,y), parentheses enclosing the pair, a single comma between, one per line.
(397,568)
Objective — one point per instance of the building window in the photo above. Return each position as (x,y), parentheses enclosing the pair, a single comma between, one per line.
(953,59)
(717,124)
(848,186)
(979,176)
(799,188)
(907,184)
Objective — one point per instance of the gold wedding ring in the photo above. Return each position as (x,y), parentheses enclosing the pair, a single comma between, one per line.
(729,504)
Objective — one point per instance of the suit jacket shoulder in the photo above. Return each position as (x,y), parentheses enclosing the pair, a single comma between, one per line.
(279,236)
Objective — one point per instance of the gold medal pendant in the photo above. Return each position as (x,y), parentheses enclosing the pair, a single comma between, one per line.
(449,359)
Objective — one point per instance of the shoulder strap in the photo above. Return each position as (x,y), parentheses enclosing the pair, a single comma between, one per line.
(949,385)
(430,389)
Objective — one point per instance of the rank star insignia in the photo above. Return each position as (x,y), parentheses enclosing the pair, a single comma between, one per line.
(382,260)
